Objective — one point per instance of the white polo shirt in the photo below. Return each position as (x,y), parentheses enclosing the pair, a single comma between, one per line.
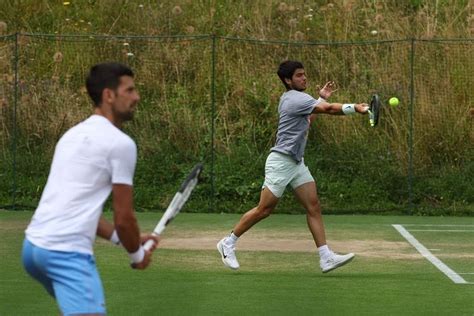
(88,159)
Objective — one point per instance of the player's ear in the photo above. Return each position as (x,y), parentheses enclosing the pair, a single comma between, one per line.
(287,81)
(107,95)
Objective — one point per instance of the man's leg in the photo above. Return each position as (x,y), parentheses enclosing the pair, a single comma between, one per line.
(265,207)
(307,194)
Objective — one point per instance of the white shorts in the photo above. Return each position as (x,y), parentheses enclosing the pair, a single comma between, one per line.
(281,170)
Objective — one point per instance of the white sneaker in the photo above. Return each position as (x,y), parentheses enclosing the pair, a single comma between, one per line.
(335,261)
(228,254)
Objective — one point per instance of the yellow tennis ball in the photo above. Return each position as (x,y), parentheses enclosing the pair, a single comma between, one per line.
(393,101)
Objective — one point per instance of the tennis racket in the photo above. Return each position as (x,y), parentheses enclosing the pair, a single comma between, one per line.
(374,110)
(177,203)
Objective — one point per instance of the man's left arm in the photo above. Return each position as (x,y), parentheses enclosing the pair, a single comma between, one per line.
(324,93)
(105,229)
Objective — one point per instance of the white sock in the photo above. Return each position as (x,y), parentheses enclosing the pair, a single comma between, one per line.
(324,252)
(231,240)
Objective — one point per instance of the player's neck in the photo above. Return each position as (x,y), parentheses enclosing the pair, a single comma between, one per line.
(108,115)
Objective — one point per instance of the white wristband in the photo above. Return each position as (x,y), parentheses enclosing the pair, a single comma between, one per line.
(138,255)
(321,99)
(348,108)
(115,238)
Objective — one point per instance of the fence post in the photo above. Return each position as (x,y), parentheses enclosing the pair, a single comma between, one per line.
(410,128)
(15,105)
(213,118)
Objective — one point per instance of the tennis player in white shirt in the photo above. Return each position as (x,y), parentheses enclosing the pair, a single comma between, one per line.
(91,160)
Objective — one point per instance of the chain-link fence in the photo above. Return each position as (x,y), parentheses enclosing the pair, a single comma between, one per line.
(214,99)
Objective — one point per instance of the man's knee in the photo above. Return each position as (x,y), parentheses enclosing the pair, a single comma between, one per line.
(314,207)
(264,211)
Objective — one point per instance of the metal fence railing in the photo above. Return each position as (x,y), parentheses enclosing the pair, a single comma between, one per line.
(214,99)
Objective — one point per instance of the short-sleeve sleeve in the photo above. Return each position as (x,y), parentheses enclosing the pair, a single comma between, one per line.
(301,104)
(123,159)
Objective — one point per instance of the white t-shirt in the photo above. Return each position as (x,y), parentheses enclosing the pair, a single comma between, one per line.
(88,159)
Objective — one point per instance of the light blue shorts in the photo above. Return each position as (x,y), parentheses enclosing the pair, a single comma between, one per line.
(70,277)
(281,170)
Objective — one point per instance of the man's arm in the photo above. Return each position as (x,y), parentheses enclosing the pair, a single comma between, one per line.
(126,224)
(337,108)
(105,229)
(124,217)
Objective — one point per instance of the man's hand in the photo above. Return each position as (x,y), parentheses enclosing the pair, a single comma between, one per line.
(362,108)
(147,259)
(145,237)
(327,90)
(144,263)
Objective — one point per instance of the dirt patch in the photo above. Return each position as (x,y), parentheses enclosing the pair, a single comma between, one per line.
(261,242)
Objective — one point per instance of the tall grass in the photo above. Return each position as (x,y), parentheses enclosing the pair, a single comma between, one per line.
(174,121)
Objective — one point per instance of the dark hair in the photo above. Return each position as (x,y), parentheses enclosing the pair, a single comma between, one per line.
(105,75)
(287,70)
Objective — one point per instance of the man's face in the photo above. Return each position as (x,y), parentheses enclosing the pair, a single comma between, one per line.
(125,99)
(298,81)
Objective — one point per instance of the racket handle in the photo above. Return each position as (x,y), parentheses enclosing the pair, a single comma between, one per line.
(148,244)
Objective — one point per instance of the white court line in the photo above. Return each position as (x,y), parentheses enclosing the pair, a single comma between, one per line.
(456,278)
(440,225)
(444,230)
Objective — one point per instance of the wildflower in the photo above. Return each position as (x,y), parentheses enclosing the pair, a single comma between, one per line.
(58,57)
(282,7)
(140,6)
(299,36)
(3,103)
(189,29)
(126,44)
(293,22)
(177,10)
(66,3)
(3,27)
(130,55)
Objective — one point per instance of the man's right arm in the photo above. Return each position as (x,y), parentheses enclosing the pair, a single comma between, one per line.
(337,108)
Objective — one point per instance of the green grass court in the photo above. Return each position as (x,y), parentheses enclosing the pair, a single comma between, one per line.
(279,272)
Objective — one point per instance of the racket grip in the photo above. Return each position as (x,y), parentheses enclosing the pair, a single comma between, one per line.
(148,244)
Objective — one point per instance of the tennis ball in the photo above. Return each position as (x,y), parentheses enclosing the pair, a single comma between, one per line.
(393,101)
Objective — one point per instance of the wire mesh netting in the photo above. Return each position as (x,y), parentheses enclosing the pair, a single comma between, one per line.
(7,119)
(443,118)
(342,152)
(170,125)
(215,99)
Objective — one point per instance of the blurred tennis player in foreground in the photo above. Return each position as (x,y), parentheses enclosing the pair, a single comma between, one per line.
(285,165)
(91,160)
